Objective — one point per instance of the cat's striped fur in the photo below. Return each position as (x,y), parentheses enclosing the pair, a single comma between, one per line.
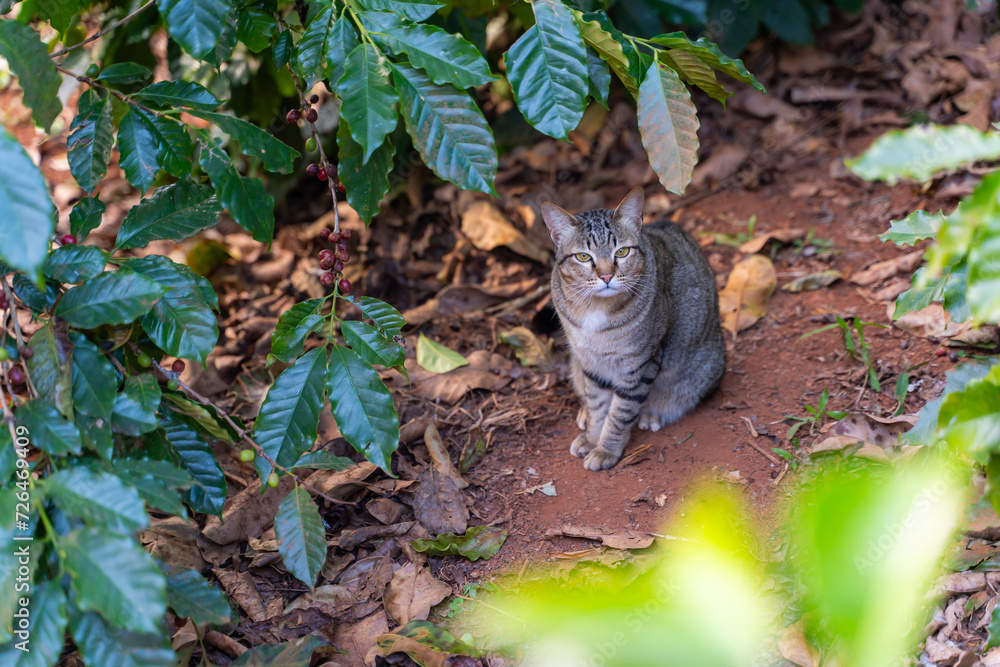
(642,325)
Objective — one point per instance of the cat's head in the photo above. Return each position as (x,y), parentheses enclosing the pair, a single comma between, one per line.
(598,252)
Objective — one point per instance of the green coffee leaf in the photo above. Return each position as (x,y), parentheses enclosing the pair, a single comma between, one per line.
(301,537)
(112,574)
(274,154)
(51,365)
(919,152)
(371,345)
(311,53)
(175,212)
(924,432)
(181,324)
(114,297)
(287,421)
(124,73)
(46,628)
(323,460)
(100,499)
(547,67)
(96,434)
(158,483)
(366,184)
(970,419)
(386,318)
(479,542)
(74,263)
(60,13)
(88,146)
(446,57)
(178,94)
(135,408)
(599,77)
(343,39)
(598,32)
(197,25)
(139,150)
(426,640)
(369,102)
(37,300)
(49,430)
(448,130)
(283,47)
(86,217)
(196,456)
(694,71)
(95,383)
(294,326)
(984,275)
(710,54)
(29,60)
(246,199)
(255,26)
(191,596)
(415,10)
(296,653)
(29,217)
(223,50)
(948,288)
(200,416)
(100,644)
(437,358)
(362,407)
(668,123)
(915,227)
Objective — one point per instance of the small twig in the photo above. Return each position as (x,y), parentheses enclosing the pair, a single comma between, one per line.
(100,34)
(315,135)
(489,606)
(770,457)
(502,309)
(670,537)
(20,339)
(245,435)
(778,478)
(122,96)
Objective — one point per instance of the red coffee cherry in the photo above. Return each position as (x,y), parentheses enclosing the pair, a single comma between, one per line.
(322,174)
(293,116)
(178,366)
(327,278)
(345,233)
(312,169)
(324,234)
(344,286)
(68,239)
(311,115)
(326,263)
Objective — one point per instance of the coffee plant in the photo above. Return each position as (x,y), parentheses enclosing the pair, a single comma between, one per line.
(97,425)
(962,274)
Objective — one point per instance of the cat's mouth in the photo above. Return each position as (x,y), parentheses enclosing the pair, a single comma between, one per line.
(606,289)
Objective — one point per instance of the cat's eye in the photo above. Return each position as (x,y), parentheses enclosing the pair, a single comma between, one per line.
(582,257)
(622,252)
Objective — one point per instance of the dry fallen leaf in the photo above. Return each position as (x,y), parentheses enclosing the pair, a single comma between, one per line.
(438,504)
(487,228)
(439,453)
(880,271)
(357,640)
(249,513)
(813,281)
(878,430)
(794,647)
(932,321)
(412,592)
(174,541)
(531,350)
(623,539)
(757,243)
(743,300)
(485,371)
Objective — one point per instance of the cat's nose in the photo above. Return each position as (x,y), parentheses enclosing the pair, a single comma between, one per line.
(606,277)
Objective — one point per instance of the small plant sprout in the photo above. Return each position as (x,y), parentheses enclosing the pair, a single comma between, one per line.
(817,415)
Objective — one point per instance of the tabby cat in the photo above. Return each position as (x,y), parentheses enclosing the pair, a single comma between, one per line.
(641,314)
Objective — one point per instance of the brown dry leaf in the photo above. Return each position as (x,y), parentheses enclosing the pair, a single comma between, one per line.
(242,588)
(794,647)
(941,653)
(881,431)
(723,162)
(967,582)
(488,228)
(452,300)
(734,477)
(331,600)
(358,640)
(838,443)
(349,538)
(932,321)
(531,350)
(984,336)
(385,510)
(421,654)
(248,513)
(438,504)
(185,636)
(334,565)
(813,281)
(992,658)
(439,454)
(174,541)
(743,300)
(880,271)
(485,371)
(343,483)
(412,592)
(623,539)
(757,243)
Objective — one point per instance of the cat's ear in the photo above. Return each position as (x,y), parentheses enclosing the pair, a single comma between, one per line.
(558,220)
(629,211)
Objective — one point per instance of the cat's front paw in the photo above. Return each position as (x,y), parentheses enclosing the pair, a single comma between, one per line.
(650,421)
(600,459)
(581,446)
